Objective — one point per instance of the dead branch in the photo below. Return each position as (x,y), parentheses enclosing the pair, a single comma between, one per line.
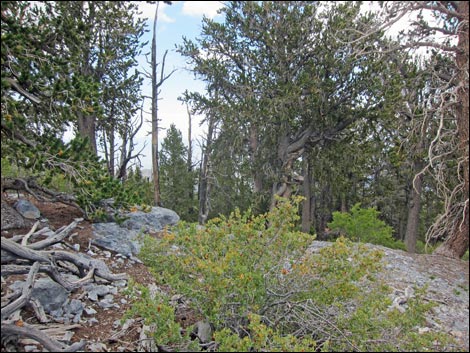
(39,192)
(48,343)
(19,257)
(25,296)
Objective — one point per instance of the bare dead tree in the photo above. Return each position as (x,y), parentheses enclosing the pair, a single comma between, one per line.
(156,84)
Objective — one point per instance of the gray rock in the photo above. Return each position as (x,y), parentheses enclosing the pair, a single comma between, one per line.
(97,347)
(27,209)
(11,218)
(93,321)
(153,221)
(203,330)
(124,238)
(50,294)
(94,291)
(90,311)
(74,307)
(113,237)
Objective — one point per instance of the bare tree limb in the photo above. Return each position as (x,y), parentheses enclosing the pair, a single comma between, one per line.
(48,343)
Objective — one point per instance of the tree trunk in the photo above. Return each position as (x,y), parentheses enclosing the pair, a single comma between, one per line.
(87,122)
(257,175)
(112,151)
(155,170)
(288,152)
(204,185)
(412,223)
(457,243)
(190,159)
(306,204)
(87,129)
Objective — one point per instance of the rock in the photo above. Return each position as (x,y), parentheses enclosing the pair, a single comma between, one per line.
(27,209)
(113,237)
(50,294)
(147,344)
(97,347)
(203,330)
(124,238)
(90,311)
(153,221)
(11,218)
(94,291)
(74,309)
(93,321)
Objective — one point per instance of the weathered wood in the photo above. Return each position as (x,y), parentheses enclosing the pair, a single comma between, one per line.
(25,239)
(30,259)
(56,238)
(39,192)
(50,257)
(25,295)
(50,344)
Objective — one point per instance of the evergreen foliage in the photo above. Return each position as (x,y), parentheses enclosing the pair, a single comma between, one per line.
(177,183)
(364,225)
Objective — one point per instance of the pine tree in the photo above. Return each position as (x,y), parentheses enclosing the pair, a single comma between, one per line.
(176,181)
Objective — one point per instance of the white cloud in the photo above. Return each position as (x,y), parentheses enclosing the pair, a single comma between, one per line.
(199,8)
(148,11)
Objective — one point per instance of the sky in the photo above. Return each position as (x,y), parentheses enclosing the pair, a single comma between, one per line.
(182,18)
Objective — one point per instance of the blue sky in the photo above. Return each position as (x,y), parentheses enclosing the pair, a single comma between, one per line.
(182,18)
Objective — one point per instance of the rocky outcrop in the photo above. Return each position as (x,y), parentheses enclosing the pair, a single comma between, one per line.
(123,237)
(446,282)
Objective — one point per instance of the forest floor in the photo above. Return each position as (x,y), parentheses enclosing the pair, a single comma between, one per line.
(59,215)
(99,333)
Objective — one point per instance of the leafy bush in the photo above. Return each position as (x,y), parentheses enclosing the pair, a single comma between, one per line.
(363,224)
(264,289)
(222,267)
(156,310)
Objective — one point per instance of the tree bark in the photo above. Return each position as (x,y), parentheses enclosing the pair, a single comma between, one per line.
(457,243)
(306,204)
(87,129)
(204,185)
(257,175)
(414,208)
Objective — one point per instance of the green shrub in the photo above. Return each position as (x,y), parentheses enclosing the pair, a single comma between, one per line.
(222,266)
(258,282)
(363,224)
(156,310)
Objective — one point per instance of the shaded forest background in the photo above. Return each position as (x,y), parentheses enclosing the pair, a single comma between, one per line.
(302,98)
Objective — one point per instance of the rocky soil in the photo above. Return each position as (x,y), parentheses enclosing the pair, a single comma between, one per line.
(97,318)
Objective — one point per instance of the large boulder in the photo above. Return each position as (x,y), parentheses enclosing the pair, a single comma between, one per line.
(50,294)
(113,237)
(123,238)
(11,218)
